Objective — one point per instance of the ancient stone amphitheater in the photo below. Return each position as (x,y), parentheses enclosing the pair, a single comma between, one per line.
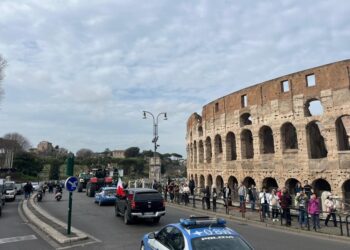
(276,133)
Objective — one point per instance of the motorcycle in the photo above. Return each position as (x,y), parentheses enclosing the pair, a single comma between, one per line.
(58,196)
(39,195)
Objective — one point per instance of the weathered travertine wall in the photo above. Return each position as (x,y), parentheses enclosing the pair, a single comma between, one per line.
(267,135)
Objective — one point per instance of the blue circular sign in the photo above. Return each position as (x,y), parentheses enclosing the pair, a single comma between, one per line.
(71,183)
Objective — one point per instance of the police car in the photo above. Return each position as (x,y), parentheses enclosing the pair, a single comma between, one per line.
(195,233)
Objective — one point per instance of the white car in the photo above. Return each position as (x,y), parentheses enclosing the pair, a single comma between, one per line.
(10,190)
(35,186)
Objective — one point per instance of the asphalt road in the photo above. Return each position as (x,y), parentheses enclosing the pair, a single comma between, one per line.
(17,234)
(111,232)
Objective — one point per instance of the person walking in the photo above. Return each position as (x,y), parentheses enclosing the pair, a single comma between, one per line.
(165,191)
(226,194)
(242,192)
(330,209)
(214,199)
(274,205)
(207,196)
(307,189)
(28,189)
(191,185)
(264,203)
(171,192)
(252,196)
(186,194)
(314,211)
(302,201)
(286,203)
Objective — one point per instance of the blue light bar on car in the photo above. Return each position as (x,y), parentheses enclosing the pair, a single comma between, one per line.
(192,221)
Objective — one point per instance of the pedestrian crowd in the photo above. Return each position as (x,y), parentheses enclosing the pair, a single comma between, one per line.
(273,204)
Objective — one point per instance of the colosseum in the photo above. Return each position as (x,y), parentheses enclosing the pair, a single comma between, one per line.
(276,133)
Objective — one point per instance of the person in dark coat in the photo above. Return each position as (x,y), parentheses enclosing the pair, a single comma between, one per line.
(28,189)
(207,196)
(191,185)
(286,203)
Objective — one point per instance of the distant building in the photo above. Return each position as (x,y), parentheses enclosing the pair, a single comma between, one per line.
(118,154)
(45,147)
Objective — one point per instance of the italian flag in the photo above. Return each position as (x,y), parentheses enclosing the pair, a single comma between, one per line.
(120,189)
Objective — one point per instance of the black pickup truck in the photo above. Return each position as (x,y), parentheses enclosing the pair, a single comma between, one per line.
(140,203)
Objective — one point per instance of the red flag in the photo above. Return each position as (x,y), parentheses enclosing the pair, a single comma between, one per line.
(120,189)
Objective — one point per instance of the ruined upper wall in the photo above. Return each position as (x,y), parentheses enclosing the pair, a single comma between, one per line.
(330,76)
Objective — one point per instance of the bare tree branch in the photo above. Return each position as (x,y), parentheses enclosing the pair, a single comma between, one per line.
(20,139)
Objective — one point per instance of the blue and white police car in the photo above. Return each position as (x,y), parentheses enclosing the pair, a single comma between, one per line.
(195,233)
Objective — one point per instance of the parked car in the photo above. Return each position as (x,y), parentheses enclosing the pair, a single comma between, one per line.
(10,190)
(196,233)
(19,187)
(106,195)
(35,186)
(141,203)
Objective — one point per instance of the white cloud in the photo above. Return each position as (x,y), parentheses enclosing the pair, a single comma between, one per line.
(80,73)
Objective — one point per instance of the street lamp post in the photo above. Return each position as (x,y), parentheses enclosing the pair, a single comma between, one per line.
(155,131)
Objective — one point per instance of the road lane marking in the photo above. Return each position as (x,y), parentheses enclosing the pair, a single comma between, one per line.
(18,238)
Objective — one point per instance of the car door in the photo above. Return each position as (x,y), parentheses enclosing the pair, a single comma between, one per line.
(169,237)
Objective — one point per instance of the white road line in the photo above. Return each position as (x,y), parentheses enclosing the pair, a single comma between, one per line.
(18,238)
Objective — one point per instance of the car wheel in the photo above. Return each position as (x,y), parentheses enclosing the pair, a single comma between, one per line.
(142,246)
(127,220)
(156,220)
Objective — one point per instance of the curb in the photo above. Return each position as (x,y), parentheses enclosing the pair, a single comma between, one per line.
(262,224)
(53,233)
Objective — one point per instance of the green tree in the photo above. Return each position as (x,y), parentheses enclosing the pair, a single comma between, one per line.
(132,152)
(54,173)
(27,163)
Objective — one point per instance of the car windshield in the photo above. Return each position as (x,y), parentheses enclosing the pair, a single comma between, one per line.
(219,242)
(110,192)
(148,196)
(9,186)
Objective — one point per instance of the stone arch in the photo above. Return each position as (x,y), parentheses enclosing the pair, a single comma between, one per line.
(200,151)
(208,151)
(218,147)
(248,181)
(269,183)
(219,182)
(200,131)
(232,182)
(188,152)
(342,126)
(320,185)
(209,180)
(290,184)
(313,107)
(289,136)
(191,152)
(195,152)
(201,181)
(266,140)
(247,149)
(316,144)
(245,119)
(346,194)
(231,153)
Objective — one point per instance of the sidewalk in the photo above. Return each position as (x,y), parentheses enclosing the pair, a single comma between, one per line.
(254,217)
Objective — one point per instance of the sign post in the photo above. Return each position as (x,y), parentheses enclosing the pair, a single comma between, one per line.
(71,185)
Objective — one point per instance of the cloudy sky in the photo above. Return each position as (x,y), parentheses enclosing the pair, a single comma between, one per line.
(80,72)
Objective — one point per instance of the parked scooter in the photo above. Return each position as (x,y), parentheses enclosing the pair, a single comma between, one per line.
(39,195)
(58,195)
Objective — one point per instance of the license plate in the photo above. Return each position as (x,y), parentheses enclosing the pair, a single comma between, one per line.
(149,213)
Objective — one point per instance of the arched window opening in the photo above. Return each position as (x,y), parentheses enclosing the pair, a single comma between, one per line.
(313,107)
(316,144)
(231,154)
(196,180)
(232,183)
(266,140)
(208,151)
(245,119)
(321,185)
(346,194)
(248,182)
(210,181)
(289,136)
(200,131)
(247,144)
(342,126)
(201,151)
(201,181)
(291,185)
(218,147)
(219,183)
(191,152)
(195,152)
(270,183)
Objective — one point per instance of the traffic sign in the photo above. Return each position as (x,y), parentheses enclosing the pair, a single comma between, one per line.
(71,183)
